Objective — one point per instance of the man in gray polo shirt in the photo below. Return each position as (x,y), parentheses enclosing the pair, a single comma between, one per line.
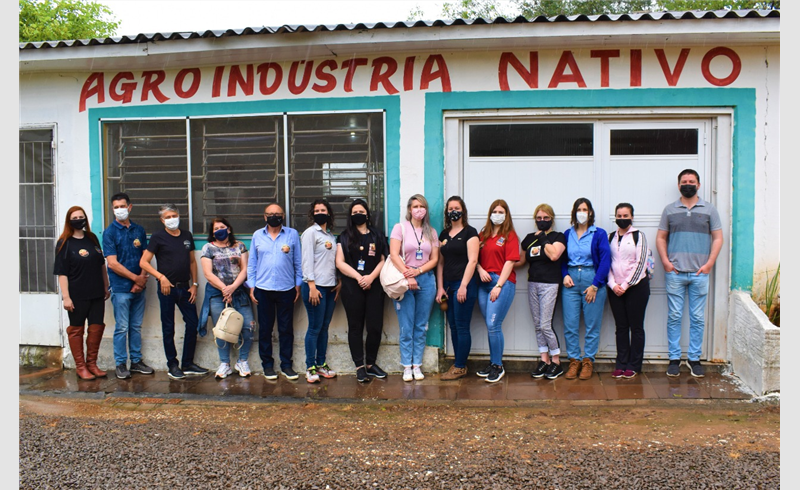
(689,240)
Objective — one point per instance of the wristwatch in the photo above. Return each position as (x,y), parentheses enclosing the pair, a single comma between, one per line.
(594,287)
(194,284)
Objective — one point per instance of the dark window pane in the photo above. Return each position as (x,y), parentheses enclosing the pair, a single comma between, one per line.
(530,140)
(654,141)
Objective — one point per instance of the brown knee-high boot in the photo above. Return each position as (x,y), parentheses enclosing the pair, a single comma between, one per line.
(75,336)
(93,339)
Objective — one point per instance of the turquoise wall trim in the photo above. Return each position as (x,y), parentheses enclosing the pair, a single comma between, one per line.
(390,104)
(741,100)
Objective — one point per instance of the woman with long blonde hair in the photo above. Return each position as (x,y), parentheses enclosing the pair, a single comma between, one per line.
(498,255)
(414,250)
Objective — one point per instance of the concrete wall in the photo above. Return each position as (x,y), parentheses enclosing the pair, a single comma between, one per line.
(754,345)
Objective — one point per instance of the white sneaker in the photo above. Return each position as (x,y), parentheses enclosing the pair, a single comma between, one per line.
(223,371)
(418,374)
(243,367)
(407,375)
(311,375)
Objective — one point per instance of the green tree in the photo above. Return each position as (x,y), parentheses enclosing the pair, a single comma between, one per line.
(62,20)
(491,9)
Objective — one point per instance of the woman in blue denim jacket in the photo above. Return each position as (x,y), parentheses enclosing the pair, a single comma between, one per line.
(224,262)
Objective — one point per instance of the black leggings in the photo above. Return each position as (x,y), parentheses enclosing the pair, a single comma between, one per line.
(92,310)
(629,310)
(362,307)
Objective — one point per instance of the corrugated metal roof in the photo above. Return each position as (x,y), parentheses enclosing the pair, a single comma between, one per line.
(289,29)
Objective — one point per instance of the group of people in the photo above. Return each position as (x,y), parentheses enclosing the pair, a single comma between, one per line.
(455,268)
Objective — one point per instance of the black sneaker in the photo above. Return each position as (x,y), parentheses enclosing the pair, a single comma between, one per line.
(541,370)
(362,375)
(194,369)
(140,367)
(289,373)
(696,369)
(376,371)
(674,368)
(122,371)
(175,372)
(554,370)
(485,371)
(497,373)
(270,373)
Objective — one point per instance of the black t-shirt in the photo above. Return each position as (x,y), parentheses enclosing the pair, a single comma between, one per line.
(540,267)
(81,260)
(371,248)
(454,252)
(172,254)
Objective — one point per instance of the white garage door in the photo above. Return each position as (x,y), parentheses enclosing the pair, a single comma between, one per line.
(557,161)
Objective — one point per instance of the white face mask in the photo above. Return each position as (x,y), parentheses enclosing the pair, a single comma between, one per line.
(172,223)
(498,218)
(121,213)
(582,216)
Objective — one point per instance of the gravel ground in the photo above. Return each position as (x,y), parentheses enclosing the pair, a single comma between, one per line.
(102,444)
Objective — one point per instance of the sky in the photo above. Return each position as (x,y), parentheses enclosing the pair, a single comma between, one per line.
(148,16)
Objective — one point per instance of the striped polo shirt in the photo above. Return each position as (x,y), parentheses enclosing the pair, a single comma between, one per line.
(689,240)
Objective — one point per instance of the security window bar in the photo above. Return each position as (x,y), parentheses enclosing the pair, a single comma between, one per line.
(147,161)
(37,221)
(338,157)
(239,171)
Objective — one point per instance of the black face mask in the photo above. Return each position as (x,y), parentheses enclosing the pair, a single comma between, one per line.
(320,218)
(454,215)
(543,225)
(77,224)
(623,223)
(275,221)
(358,219)
(688,191)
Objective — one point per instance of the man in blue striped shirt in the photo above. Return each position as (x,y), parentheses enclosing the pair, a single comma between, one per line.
(274,276)
(689,240)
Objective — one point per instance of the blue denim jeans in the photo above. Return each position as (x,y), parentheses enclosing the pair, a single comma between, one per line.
(573,303)
(413,312)
(178,297)
(459,316)
(128,317)
(319,318)
(680,284)
(242,304)
(495,313)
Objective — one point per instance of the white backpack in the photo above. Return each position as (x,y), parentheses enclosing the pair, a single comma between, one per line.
(229,325)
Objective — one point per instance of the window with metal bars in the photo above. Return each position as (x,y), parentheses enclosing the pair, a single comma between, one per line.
(234,166)
(37,220)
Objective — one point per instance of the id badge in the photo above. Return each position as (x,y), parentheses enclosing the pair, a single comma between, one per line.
(419,254)
(360,265)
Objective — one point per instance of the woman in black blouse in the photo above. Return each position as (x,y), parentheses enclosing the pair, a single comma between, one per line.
(360,255)
(83,279)
(458,283)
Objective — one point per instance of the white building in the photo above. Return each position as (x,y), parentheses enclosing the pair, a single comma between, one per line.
(605,107)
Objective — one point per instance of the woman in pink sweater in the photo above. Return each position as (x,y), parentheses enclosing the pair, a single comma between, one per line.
(629,291)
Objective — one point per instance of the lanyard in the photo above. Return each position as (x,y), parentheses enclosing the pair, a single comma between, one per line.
(420,239)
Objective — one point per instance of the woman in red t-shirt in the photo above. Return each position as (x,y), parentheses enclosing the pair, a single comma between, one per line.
(498,255)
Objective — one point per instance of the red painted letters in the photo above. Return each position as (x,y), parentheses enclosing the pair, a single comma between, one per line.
(735,70)
(560,77)
(675,75)
(531,77)
(127,88)
(179,79)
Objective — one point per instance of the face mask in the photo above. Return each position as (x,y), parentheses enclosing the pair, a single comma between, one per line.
(688,191)
(358,219)
(454,215)
(419,213)
(543,225)
(320,218)
(582,217)
(121,213)
(624,223)
(172,223)
(77,224)
(275,221)
(221,234)
(498,218)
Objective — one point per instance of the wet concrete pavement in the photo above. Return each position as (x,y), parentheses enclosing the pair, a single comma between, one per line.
(514,389)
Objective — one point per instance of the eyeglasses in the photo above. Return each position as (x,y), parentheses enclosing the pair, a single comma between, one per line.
(546,218)
(273,215)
